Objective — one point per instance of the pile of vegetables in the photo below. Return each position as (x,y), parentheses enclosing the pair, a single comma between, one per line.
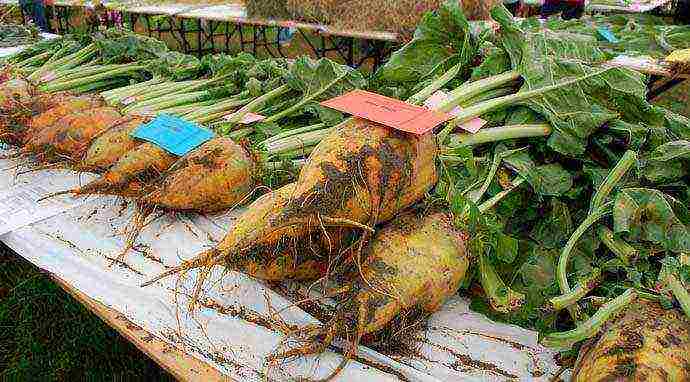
(566,209)
(566,213)
(93,132)
(633,35)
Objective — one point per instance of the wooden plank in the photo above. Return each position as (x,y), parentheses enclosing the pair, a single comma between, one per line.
(179,364)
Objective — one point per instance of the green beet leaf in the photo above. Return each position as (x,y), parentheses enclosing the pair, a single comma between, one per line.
(442,39)
(649,215)
(318,81)
(546,180)
(546,57)
(555,228)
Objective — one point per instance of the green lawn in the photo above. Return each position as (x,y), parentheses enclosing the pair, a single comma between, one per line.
(46,335)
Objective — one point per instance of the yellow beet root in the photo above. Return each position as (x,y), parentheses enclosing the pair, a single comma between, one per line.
(647,343)
(132,173)
(51,117)
(268,255)
(214,177)
(14,93)
(19,103)
(363,172)
(112,145)
(71,136)
(410,267)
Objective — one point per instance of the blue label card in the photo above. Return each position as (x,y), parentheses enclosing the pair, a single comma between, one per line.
(174,135)
(606,34)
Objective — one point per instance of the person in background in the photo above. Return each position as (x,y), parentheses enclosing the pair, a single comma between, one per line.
(513,6)
(683,11)
(569,9)
(36,10)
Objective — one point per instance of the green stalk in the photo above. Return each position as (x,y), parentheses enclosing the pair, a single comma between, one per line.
(306,139)
(169,89)
(221,106)
(229,105)
(437,84)
(598,209)
(490,203)
(648,296)
(477,195)
(67,85)
(168,100)
(468,91)
(241,133)
(497,134)
(479,109)
(172,101)
(63,52)
(292,132)
(33,61)
(138,97)
(562,270)
(502,298)
(80,72)
(66,62)
(188,108)
(624,251)
(582,288)
(256,104)
(592,326)
(612,179)
(297,153)
(117,95)
(491,94)
(98,85)
(89,70)
(299,105)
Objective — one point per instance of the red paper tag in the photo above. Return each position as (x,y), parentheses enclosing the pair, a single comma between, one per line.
(388,111)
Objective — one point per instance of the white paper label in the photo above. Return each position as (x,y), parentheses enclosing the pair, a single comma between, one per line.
(20,206)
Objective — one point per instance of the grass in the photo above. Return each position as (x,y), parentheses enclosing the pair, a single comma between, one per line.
(46,335)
